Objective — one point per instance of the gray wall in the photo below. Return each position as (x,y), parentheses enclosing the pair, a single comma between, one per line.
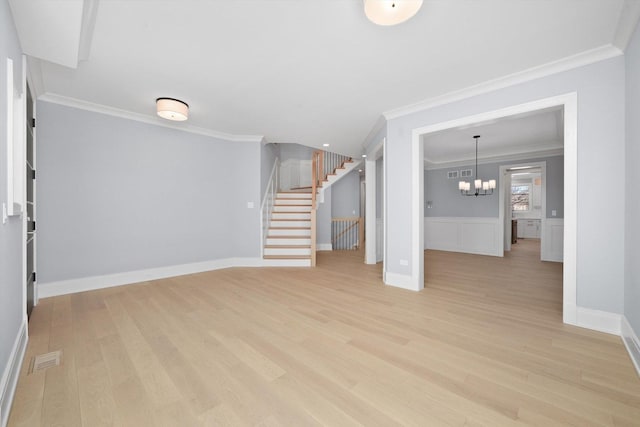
(116,195)
(601,152)
(268,155)
(632,208)
(323,219)
(345,196)
(379,187)
(295,151)
(12,309)
(446,199)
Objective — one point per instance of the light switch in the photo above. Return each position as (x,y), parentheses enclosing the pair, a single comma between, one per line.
(404,262)
(554,212)
(249,205)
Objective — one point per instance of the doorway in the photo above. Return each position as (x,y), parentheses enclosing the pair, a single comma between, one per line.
(30,220)
(523,201)
(569,232)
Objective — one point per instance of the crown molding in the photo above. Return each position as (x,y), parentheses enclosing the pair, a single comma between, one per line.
(34,76)
(627,23)
(570,62)
(530,155)
(369,140)
(144,118)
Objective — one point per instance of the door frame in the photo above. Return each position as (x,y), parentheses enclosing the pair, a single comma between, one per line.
(26,84)
(504,219)
(569,102)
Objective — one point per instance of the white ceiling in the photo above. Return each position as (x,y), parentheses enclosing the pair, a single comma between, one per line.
(312,71)
(540,132)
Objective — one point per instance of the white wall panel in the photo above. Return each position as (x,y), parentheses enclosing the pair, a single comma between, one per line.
(469,235)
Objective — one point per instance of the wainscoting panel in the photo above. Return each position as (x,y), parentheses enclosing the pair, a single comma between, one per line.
(469,235)
(553,239)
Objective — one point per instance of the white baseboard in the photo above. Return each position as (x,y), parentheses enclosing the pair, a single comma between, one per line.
(631,341)
(11,372)
(597,320)
(64,287)
(324,247)
(400,281)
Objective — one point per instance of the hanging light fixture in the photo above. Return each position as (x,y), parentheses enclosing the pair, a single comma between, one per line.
(482,188)
(172,109)
(391,12)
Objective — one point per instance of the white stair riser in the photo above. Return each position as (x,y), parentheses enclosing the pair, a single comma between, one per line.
(289,224)
(290,215)
(284,232)
(287,251)
(275,242)
(292,208)
(294,196)
(303,202)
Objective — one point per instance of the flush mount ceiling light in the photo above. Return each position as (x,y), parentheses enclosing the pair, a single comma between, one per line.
(172,109)
(391,12)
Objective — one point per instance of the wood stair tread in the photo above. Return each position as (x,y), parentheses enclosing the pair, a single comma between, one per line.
(292,212)
(287,237)
(289,219)
(289,228)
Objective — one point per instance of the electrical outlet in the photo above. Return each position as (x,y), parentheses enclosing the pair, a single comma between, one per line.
(404,262)
(250,205)
(4,213)
(554,212)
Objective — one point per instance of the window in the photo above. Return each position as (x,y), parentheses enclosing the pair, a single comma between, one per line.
(520,196)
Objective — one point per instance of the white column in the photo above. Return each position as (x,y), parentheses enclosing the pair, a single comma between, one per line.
(370,212)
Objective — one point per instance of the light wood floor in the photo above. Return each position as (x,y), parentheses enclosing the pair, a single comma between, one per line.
(483,344)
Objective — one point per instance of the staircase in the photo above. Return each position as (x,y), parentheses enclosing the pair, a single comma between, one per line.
(289,239)
(289,233)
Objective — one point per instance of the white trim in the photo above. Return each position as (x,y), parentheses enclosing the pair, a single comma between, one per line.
(370,242)
(598,320)
(324,247)
(564,64)
(385,213)
(570,241)
(11,372)
(417,205)
(369,140)
(496,159)
(400,281)
(631,341)
(570,103)
(64,287)
(144,118)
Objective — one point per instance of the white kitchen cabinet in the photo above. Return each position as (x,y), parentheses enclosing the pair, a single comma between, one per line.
(528,228)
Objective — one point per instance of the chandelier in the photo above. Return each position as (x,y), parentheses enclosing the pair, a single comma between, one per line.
(482,188)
